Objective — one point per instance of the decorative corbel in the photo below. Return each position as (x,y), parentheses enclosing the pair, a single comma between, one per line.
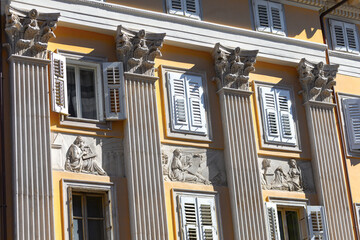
(28,32)
(232,66)
(138,50)
(317,80)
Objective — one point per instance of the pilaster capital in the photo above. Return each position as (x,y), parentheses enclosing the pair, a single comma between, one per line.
(317,80)
(28,32)
(138,50)
(232,66)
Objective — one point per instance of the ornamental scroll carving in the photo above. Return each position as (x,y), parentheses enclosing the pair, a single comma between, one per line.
(232,66)
(138,50)
(317,80)
(28,33)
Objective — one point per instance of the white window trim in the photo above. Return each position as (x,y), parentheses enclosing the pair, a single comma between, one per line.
(340,111)
(190,136)
(195,193)
(95,187)
(277,146)
(183,11)
(331,36)
(270,28)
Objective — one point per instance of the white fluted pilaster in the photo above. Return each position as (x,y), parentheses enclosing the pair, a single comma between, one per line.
(328,169)
(33,195)
(143,160)
(242,165)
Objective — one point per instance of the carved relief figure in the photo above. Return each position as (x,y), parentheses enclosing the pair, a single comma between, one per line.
(265,164)
(80,158)
(295,177)
(280,181)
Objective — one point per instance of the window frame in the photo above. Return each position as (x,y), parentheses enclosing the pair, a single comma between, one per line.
(102,188)
(261,118)
(183,11)
(167,106)
(332,37)
(176,193)
(283,31)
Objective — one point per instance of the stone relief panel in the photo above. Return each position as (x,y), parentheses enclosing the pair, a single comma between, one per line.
(193,165)
(86,154)
(286,175)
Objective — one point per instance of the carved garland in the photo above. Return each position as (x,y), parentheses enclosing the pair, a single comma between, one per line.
(317,80)
(28,33)
(138,50)
(232,66)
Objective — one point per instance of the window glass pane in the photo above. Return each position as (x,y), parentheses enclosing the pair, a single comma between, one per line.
(94,207)
(281,226)
(96,229)
(88,94)
(78,229)
(70,72)
(76,206)
(292,225)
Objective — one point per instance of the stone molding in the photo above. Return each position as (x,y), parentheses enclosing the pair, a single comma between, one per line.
(28,32)
(317,80)
(138,49)
(232,66)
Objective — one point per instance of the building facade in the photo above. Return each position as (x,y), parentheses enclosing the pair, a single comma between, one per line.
(180,119)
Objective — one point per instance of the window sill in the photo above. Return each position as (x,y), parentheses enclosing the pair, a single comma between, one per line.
(188,136)
(85,123)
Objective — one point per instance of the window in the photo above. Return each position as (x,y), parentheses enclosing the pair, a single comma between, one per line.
(344,36)
(198,216)
(352,122)
(188,8)
(269,17)
(295,222)
(187,103)
(277,116)
(88,210)
(81,88)
(87,216)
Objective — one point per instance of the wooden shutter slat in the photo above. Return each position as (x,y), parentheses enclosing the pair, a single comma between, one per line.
(351,37)
(286,119)
(273,222)
(270,116)
(316,221)
(58,81)
(338,35)
(352,117)
(195,95)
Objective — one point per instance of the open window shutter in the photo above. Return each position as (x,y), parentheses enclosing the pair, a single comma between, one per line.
(284,107)
(207,216)
(352,115)
(273,222)
(270,116)
(178,102)
(59,99)
(195,94)
(262,16)
(71,217)
(277,18)
(338,35)
(113,79)
(351,37)
(317,224)
(176,7)
(192,8)
(189,218)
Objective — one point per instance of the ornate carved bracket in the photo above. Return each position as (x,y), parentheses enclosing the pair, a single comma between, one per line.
(138,50)
(28,33)
(317,80)
(232,66)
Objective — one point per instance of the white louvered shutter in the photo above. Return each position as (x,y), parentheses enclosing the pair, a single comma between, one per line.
(270,115)
(189,218)
(273,222)
(262,16)
(114,90)
(207,216)
(317,223)
(277,18)
(338,35)
(59,99)
(352,39)
(176,7)
(192,8)
(178,101)
(286,119)
(195,95)
(352,116)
